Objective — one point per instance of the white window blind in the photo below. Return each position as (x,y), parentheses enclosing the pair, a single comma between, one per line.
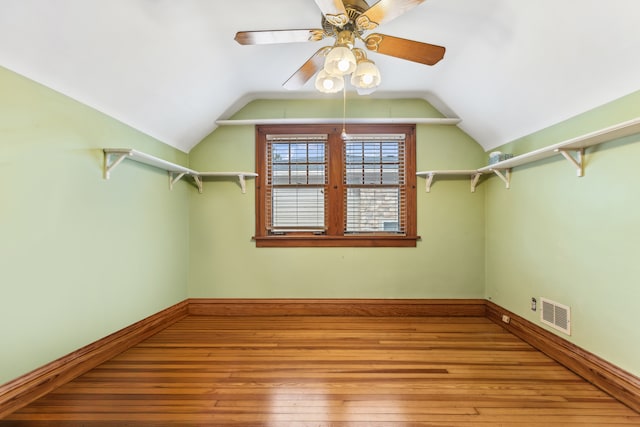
(296,180)
(374,181)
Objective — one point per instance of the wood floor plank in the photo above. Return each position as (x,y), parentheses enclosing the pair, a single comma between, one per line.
(327,371)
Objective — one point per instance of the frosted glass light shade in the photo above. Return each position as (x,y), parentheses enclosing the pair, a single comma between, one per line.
(340,61)
(365,92)
(329,83)
(366,75)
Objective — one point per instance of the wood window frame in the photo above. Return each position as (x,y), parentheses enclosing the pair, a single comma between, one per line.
(334,235)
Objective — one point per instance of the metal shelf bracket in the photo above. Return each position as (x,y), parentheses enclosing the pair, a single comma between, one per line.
(474,181)
(577,161)
(429,182)
(506,177)
(177,176)
(198,180)
(243,183)
(174,177)
(110,163)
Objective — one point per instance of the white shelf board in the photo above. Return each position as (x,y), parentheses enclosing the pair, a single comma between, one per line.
(578,144)
(114,156)
(213,174)
(240,175)
(148,159)
(430,175)
(348,120)
(628,128)
(610,133)
(448,172)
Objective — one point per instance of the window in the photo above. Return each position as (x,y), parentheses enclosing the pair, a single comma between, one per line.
(315,189)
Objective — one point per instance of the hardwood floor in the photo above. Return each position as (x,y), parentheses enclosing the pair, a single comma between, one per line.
(328,371)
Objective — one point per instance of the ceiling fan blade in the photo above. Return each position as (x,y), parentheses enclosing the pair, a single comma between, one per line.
(278,36)
(308,69)
(423,53)
(334,12)
(384,11)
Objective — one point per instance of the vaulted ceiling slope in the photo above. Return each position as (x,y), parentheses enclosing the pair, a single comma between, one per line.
(172,68)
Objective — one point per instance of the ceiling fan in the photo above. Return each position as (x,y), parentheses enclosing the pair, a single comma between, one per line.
(348,21)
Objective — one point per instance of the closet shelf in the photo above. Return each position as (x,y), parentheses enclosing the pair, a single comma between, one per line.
(572,150)
(348,120)
(114,156)
(240,175)
(430,175)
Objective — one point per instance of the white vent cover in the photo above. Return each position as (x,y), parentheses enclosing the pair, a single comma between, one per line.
(556,315)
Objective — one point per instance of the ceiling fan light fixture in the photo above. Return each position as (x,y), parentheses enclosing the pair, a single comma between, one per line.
(346,21)
(329,83)
(341,60)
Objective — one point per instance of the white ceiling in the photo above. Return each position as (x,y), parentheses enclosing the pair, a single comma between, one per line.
(170,68)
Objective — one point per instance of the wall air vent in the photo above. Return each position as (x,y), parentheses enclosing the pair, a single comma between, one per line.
(556,315)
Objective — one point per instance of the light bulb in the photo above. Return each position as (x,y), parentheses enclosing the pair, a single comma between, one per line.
(343,65)
(367,79)
(327,84)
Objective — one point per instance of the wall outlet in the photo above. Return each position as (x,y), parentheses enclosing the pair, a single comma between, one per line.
(505,318)
(534,304)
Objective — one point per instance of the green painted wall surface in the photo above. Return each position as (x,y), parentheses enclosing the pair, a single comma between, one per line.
(356,107)
(573,240)
(80,257)
(448,262)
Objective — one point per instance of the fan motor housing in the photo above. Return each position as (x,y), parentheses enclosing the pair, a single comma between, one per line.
(354,9)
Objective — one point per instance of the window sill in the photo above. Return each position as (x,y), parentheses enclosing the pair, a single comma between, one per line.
(365,241)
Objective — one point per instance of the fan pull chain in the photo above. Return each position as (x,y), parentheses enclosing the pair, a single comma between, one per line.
(344,135)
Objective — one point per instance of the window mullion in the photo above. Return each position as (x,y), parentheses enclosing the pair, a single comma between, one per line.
(335,200)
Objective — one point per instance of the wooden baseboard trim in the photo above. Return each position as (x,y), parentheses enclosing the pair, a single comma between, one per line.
(620,384)
(336,307)
(35,384)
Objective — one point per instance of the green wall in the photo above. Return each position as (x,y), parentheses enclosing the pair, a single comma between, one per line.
(80,257)
(448,262)
(573,240)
